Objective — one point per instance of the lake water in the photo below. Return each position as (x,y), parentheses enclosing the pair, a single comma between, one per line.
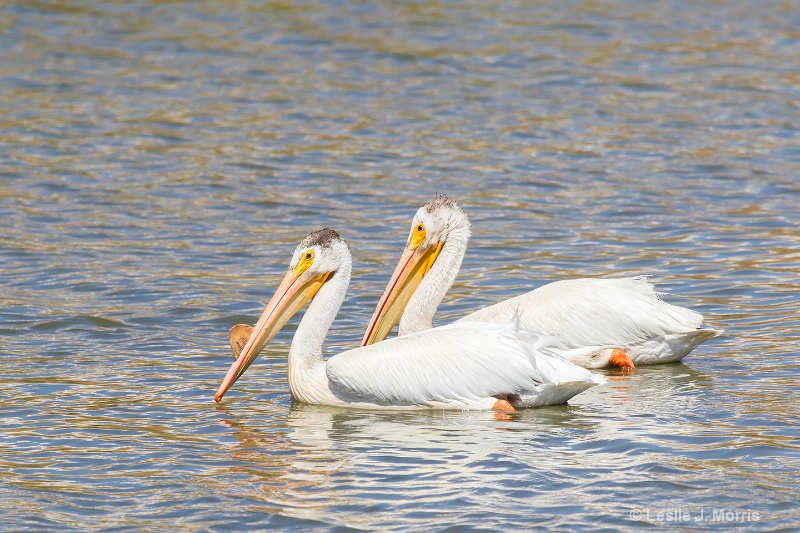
(159,161)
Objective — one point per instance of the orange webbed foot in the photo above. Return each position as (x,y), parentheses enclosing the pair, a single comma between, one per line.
(503,405)
(621,359)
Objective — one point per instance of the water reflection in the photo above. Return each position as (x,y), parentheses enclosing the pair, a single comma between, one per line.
(663,425)
(434,457)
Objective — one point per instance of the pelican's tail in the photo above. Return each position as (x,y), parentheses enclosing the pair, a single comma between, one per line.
(558,393)
(561,379)
(677,346)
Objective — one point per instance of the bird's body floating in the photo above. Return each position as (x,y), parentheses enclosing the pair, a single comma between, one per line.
(598,322)
(461,366)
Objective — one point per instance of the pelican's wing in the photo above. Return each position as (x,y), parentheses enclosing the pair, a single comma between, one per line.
(624,312)
(460,362)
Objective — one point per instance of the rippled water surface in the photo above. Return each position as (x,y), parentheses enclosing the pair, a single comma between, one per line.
(160,161)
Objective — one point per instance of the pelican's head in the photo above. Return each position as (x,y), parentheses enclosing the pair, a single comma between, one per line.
(432,225)
(319,256)
(434,221)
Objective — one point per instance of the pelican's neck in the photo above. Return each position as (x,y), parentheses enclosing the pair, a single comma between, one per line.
(418,315)
(307,378)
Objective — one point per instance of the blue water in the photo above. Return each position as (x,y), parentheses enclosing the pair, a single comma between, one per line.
(160,161)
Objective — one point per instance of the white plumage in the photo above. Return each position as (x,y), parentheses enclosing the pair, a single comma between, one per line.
(591,317)
(461,366)
(459,363)
(625,313)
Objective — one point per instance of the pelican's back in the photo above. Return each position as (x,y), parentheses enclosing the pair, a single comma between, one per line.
(625,312)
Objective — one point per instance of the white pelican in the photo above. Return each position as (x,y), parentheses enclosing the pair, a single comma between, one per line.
(599,321)
(460,366)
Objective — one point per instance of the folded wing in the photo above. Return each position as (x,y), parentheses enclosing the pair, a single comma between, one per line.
(459,362)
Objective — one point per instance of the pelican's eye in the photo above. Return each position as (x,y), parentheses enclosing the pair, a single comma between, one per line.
(417,235)
(306,260)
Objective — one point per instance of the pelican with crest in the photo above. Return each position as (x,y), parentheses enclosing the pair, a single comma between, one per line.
(460,366)
(598,322)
